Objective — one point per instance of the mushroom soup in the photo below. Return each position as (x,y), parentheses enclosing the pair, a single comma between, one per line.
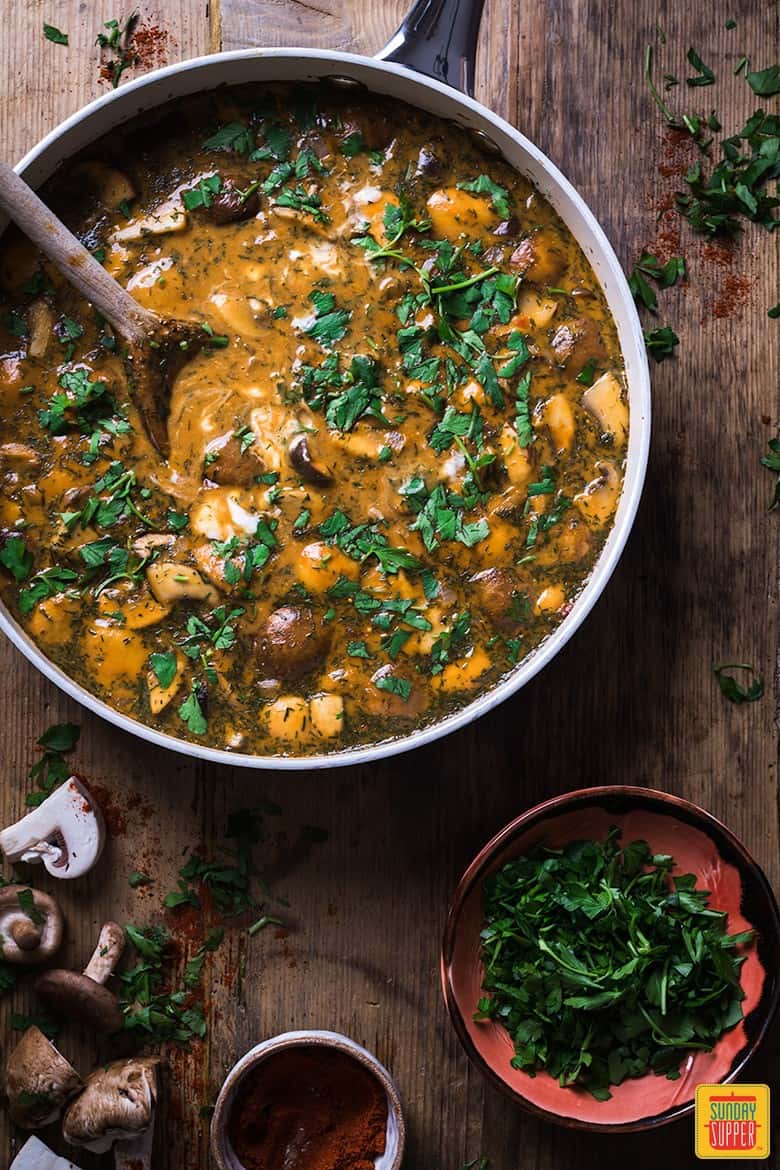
(392,467)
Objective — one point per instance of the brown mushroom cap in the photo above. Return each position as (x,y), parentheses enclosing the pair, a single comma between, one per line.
(38,1080)
(117,1103)
(69,993)
(25,938)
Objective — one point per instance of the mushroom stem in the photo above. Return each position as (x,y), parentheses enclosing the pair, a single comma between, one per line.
(107,953)
(135,1154)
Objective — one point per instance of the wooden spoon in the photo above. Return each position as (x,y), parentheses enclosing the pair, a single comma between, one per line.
(158,347)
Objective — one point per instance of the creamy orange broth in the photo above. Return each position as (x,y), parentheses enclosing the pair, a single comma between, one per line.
(380,496)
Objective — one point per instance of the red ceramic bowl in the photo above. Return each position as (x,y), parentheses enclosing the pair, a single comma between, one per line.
(701,845)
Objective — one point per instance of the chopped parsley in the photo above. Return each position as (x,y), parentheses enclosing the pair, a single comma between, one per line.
(164,667)
(563,972)
(362,541)
(234,136)
(395,685)
(329,324)
(499,196)
(54,35)
(661,343)
(52,768)
(203,194)
(732,689)
(772,463)
(665,275)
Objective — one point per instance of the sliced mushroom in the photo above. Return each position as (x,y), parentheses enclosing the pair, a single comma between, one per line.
(82,995)
(579,342)
(40,325)
(117,1106)
(34,1155)
(599,499)
(111,186)
(19,457)
(66,832)
(306,465)
(327,715)
(144,546)
(233,463)
(159,696)
(500,597)
(38,1081)
(169,218)
(29,935)
(604,400)
(171,582)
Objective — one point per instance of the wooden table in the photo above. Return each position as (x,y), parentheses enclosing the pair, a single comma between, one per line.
(632,699)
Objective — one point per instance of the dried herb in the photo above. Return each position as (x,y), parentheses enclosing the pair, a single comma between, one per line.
(602,965)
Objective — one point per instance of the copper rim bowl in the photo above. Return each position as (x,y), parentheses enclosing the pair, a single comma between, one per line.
(221,1149)
(425,64)
(700,844)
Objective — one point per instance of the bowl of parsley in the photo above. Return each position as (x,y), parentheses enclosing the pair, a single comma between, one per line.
(608,951)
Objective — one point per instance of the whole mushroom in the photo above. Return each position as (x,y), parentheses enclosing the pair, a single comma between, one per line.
(38,1081)
(31,925)
(82,995)
(117,1106)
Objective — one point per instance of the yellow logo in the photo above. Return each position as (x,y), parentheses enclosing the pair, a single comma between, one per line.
(732,1121)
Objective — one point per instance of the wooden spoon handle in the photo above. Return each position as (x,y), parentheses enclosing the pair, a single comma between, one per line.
(22,205)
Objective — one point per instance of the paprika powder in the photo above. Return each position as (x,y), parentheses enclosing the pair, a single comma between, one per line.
(309,1108)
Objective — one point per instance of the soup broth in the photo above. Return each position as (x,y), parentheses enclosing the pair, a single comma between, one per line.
(392,466)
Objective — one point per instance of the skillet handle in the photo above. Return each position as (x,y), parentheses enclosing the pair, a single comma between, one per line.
(439,38)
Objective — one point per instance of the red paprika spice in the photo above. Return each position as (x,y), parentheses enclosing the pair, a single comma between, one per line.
(309,1108)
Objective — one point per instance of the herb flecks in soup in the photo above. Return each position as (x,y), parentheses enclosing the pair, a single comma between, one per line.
(392,466)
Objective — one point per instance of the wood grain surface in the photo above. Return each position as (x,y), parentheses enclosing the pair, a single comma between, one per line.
(630,700)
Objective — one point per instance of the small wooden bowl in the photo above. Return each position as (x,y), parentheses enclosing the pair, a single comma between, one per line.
(701,845)
(221,1148)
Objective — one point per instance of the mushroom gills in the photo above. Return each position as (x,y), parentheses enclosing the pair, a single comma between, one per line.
(117,1105)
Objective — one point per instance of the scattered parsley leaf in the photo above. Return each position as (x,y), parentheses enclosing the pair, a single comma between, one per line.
(733,690)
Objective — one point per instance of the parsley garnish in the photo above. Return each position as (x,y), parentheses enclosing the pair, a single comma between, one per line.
(329,324)
(53,34)
(16,557)
(661,342)
(149,1006)
(192,713)
(52,768)
(235,136)
(45,583)
(580,998)
(499,196)
(202,194)
(395,685)
(734,690)
(705,76)
(665,276)
(361,541)
(164,667)
(764,82)
(772,462)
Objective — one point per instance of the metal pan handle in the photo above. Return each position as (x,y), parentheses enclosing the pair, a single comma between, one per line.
(439,38)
